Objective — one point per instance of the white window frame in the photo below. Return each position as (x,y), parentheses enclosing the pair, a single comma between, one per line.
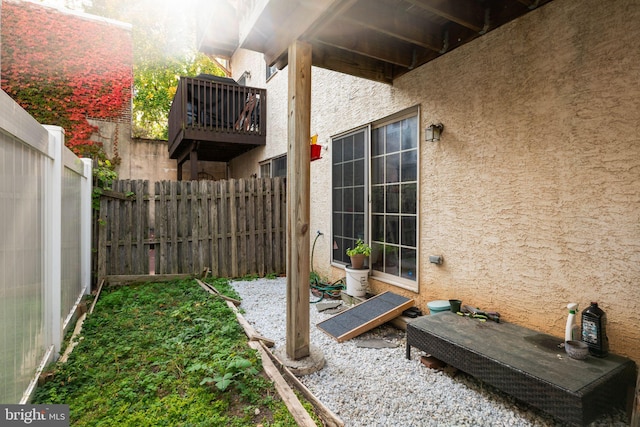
(270,163)
(367,133)
(395,280)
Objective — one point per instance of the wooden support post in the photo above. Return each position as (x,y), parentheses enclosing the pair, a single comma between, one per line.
(193,163)
(298,200)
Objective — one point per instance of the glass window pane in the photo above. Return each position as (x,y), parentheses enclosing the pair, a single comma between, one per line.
(394,175)
(409,197)
(336,151)
(358,199)
(409,231)
(358,172)
(376,260)
(377,170)
(338,248)
(410,133)
(408,263)
(391,259)
(410,165)
(377,142)
(392,171)
(358,226)
(347,149)
(337,224)
(349,192)
(347,224)
(337,176)
(377,199)
(358,145)
(377,228)
(348,199)
(393,138)
(280,166)
(265,170)
(348,174)
(392,199)
(337,200)
(392,229)
(348,243)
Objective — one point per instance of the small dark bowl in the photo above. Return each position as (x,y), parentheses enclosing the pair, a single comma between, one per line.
(576,349)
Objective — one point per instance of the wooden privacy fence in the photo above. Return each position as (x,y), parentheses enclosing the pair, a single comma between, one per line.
(233,227)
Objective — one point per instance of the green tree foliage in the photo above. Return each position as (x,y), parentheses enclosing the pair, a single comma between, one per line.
(155,85)
(164,49)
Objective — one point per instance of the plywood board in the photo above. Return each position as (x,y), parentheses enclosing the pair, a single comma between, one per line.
(365,316)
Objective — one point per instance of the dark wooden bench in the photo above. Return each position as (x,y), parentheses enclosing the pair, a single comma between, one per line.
(526,364)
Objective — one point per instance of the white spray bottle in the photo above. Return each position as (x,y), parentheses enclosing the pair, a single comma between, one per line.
(572,330)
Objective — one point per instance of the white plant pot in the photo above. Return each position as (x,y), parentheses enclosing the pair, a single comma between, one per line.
(357,281)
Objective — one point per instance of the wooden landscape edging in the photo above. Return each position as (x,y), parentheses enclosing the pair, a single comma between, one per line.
(129,279)
(274,368)
(328,417)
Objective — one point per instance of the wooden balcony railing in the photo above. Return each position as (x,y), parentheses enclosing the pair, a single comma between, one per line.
(216,117)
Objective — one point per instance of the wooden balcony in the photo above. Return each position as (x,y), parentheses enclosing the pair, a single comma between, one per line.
(215,119)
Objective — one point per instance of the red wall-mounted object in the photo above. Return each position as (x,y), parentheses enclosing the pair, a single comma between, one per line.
(315,151)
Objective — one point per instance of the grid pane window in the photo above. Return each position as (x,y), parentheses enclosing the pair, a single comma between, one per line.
(349,193)
(375,192)
(394,171)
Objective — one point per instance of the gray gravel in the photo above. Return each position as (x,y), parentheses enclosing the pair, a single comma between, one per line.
(380,387)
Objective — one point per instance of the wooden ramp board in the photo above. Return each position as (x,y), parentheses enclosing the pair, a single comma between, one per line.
(365,316)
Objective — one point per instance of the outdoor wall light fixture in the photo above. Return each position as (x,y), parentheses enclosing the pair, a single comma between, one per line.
(433,132)
(435,259)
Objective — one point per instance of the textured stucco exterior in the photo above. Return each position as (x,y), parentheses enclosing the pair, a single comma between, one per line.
(532,196)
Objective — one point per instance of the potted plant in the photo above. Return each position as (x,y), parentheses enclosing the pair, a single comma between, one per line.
(358,254)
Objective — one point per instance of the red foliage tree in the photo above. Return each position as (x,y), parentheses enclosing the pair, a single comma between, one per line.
(64,68)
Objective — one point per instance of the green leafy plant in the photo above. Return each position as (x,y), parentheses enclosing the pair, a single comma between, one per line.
(361,248)
(238,367)
(103,176)
(144,353)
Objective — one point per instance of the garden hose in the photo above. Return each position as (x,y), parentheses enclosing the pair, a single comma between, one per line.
(331,290)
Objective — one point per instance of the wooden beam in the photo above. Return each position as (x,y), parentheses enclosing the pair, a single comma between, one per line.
(531,4)
(298,200)
(351,63)
(468,13)
(213,291)
(330,419)
(193,163)
(281,23)
(298,412)
(354,38)
(129,279)
(396,23)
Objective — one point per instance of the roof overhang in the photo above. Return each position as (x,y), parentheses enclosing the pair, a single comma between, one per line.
(375,39)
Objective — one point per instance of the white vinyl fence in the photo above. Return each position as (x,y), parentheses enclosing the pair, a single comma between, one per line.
(45,245)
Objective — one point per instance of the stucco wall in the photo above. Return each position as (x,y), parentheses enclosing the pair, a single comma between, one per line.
(532,195)
(276,145)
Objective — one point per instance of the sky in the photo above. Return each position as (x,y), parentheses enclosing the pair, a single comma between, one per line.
(179,28)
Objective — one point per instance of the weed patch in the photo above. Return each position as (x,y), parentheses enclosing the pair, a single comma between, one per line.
(164,354)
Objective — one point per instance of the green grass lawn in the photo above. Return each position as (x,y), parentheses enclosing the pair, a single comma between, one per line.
(164,354)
